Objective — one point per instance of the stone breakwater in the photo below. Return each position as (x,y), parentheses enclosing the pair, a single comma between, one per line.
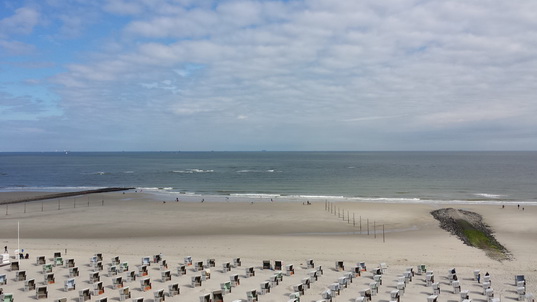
(469,227)
(64,194)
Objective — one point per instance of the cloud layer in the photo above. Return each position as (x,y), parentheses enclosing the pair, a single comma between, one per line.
(275,75)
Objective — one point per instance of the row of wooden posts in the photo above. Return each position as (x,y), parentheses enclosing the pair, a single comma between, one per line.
(59,205)
(333,209)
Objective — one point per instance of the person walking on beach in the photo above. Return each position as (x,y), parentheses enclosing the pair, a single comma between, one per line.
(5,249)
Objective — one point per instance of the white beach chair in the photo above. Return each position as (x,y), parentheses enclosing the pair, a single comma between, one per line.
(69,284)
(145,284)
(195,281)
(20,275)
(339,266)
(234,279)
(432,298)
(158,296)
(395,295)
(265,287)
(124,293)
(181,270)
(41,292)
(436,288)
(84,295)
(225,287)
(94,277)
(98,288)
(217,296)
(250,272)
(117,282)
(289,270)
(211,262)
(165,276)
(173,290)
(29,285)
(299,288)
(251,296)
(237,262)
(456,287)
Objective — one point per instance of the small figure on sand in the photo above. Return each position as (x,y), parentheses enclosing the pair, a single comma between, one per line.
(5,249)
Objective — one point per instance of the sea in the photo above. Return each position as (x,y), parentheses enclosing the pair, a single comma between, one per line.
(392,177)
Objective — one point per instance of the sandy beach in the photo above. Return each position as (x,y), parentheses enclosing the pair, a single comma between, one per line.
(134,225)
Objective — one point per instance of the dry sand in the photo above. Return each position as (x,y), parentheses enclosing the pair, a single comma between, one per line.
(134,225)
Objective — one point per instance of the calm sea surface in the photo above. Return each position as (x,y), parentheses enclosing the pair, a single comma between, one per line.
(377,176)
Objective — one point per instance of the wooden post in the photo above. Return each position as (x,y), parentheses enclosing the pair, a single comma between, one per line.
(74,202)
(383,237)
(360,224)
(41,206)
(25,207)
(58,204)
(375,229)
(367,226)
(6,208)
(353,221)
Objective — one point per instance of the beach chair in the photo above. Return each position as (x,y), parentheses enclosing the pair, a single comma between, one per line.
(295,297)
(362,266)
(142,271)
(335,288)
(115,260)
(188,260)
(376,271)
(47,268)
(58,261)
(464,295)
(374,286)
(422,269)
(218,296)
(124,293)
(306,282)
(477,275)
(485,285)
(205,298)
(521,292)
(165,276)
(395,295)
(117,282)
(40,260)
(145,284)
(157,258)
(408,276)
(74,272)
(123,267)
(279,275)
(299,288)
(69,284)
(360,299)
(429,278)
(14,266)
(163,264)
(94,277)
(436,288)
(339,266)
(489,293)
(98,288)
(432,298)
(49,278)
(173,290)
(226,267)
(70,262)
(411,270)
(198,266)
(313,276)
(309,263)
(131,276)
(195,281)
(486,278)
(211,262)
(530,298)
(357,271)
(342,282)
(84,295)
(378,279)
(520,278)
(274,281)
(266,264)
(225,287)
(146,261)
(366,293)
(98,266)
(237,262)
(327,295)
(41,292)
(384,267)
(278,264)
(264,287)
(456,287)
(251,295)
(158,296)
(250,272)
(289,270)
(57,255)
(235,281)
(98,256)
(29,285)
(206,274)
(20,275)
(181,270)
(3,279)
(112,271)
(6,297)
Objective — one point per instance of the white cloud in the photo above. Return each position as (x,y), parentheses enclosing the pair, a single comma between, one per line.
(22,22)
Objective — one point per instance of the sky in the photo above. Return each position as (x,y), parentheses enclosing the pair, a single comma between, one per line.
(245,75)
